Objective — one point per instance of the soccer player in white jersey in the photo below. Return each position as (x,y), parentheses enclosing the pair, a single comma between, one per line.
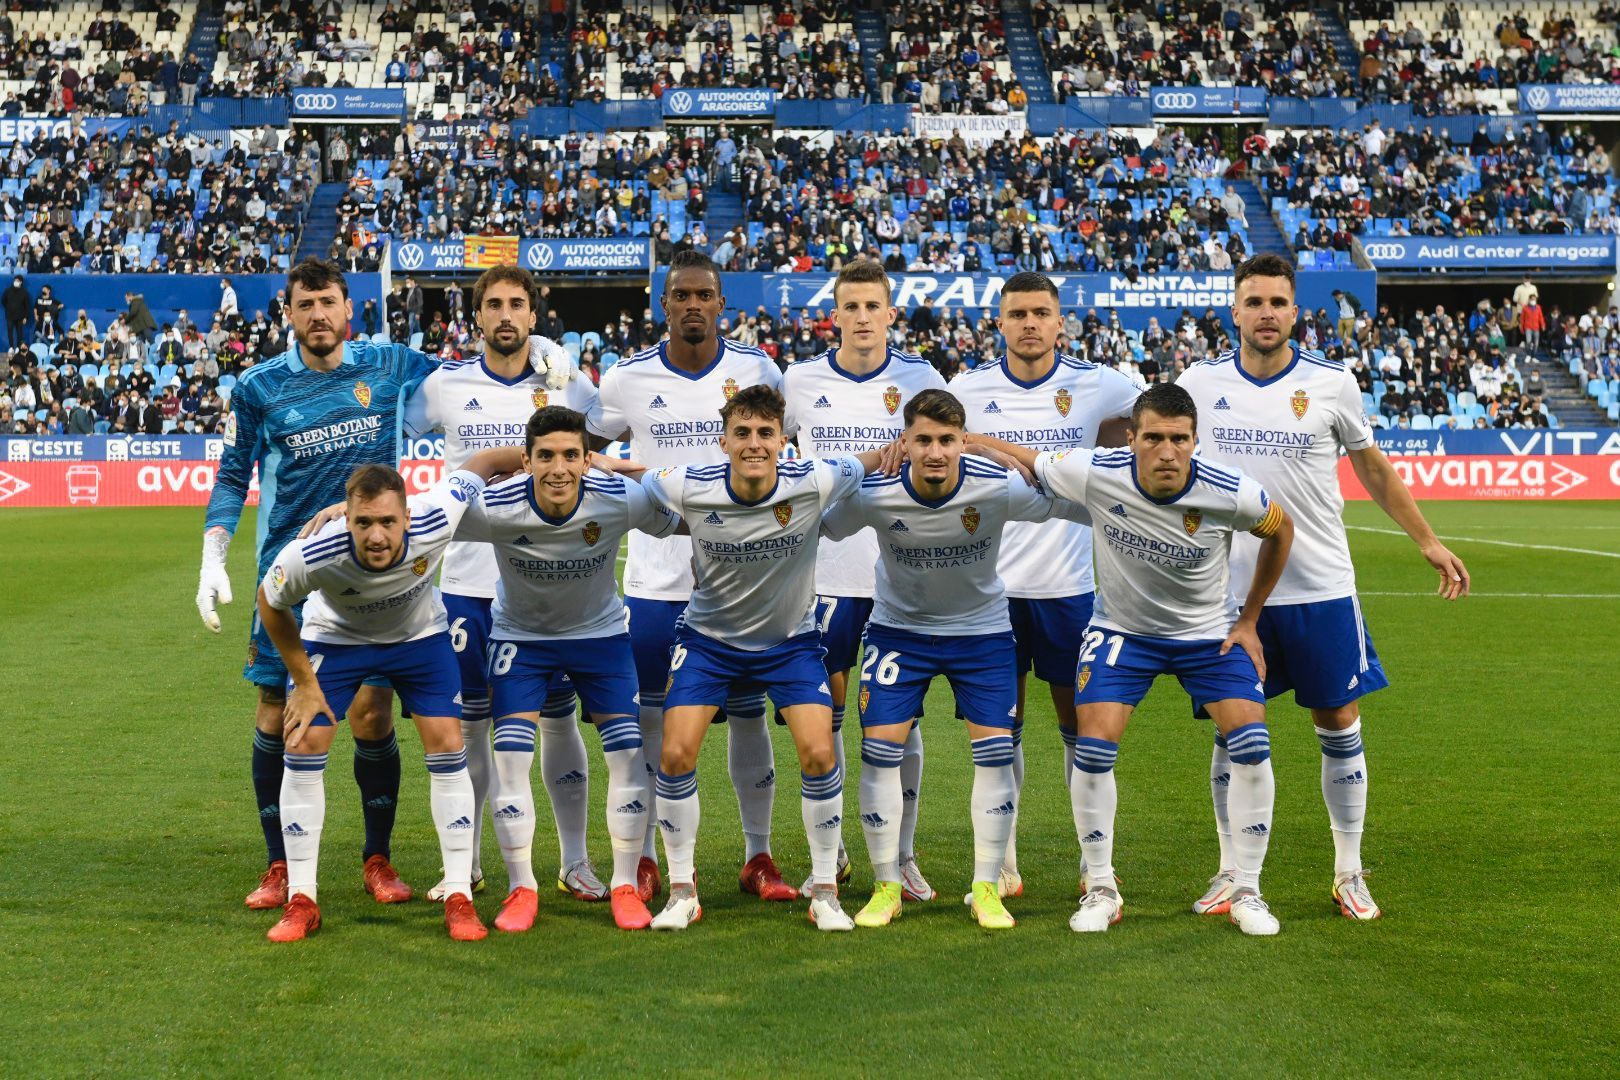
(939,609)
(849,400)
(1164,523)
(666,400)
(1037,397)
(482,402)
(1283,414)
(555,534)
(373,611)
(755,528)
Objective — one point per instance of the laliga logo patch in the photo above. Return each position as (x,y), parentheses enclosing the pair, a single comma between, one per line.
(1083,677)
(891,399)
(970,520)
(1299,403)
(730,387)
(1191,520)
(783,512)
(362,394)
(278,576)
(866,696)
(1064,402)
(419,567)
(540,397)
(592,532)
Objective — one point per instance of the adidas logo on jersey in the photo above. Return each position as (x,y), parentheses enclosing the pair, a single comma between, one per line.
(1003,810)
(1221,404)
(769,781)
(294,829)
(714,519)
(350,591)
(472,406)
(667,825)
(522,540)
(509,812)
(1357,777)
(1117,509)
(572,776)
(632,808)
(874,820)
(293,416)
(898,526)
(1223,780)
(1257,829)
(992,408)
(657,403)
(1095,836)
(822,403)
(832,822)
(462,822)
(1354,679)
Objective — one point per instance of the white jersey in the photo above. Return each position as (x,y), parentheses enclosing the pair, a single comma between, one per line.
(1162,564)
(673,418)
(477,409)
(834,412)
(352,605)
(557,575)
(1061,411)
(938,569)
(755,562)
(1287,432)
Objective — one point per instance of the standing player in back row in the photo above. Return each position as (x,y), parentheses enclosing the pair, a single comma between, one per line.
(1283,414)
(846,401)
(484,402)
(1037,397)
(667,400)
(307,419)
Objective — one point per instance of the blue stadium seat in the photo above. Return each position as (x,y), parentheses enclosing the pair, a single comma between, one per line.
(1422,422)
(609,359)
(41,351)
(103,426)
(591,338)
(416,340)
(570,338)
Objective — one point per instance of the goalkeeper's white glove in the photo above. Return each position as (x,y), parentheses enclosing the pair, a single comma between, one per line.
(213,582)
(558,364)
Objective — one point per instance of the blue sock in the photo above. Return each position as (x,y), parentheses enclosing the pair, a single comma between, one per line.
(267,767)
(376,770)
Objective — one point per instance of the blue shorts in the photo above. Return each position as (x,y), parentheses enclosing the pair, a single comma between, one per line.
(898,666)
(469,634)
(1320,651)
(1115,666)
(264,666)
(652,636)
(1049,631)
(522,673)
(842,621)
(704,671)
(423,672)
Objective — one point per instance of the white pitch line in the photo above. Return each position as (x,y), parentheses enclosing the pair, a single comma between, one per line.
(1511,595)
(1498,543)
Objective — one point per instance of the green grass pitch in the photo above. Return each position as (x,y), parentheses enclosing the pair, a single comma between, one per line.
(129,841)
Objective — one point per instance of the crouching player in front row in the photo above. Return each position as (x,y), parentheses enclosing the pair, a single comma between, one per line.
(555,532)
(755,528)
(1164,521)
(373,611)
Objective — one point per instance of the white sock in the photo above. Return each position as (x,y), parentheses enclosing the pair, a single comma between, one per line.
(994,803)
(678,821)
(567,776)
(838,749)
(303,816)
(1094,798)
(1249,801)
(628,795)
(652,747)
(514,800)
(450,796)
(752,762)
(911,771)
(882,803)
(1220,782)
(821,804)
(1344,790)
(475,733)
(1009,861)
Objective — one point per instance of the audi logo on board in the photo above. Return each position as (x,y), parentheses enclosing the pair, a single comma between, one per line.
(1375,252)
(1175,101)
(307,102)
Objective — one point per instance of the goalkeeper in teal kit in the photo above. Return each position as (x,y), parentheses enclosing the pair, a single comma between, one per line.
(307,419)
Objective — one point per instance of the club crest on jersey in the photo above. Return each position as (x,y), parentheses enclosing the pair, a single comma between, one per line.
(419,567)
(1299,403)
(362,394)
(592,532)
(730,387)
(1081,678)
(1191,520)
(539,397)
(866,696)
(891,399)
(1064,402)
(970,520)
(783,512)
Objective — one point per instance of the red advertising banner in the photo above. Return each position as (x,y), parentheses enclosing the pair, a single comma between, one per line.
(1558,476)
(133,483)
